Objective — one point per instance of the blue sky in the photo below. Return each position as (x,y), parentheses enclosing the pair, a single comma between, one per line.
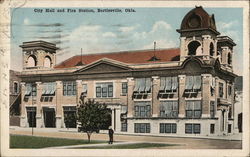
(109,32)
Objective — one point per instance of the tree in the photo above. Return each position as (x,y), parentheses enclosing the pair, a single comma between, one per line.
(70,120)
(92,116)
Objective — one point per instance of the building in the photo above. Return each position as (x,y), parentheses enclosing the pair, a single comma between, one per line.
(238,104)
(180,91)
(14,97)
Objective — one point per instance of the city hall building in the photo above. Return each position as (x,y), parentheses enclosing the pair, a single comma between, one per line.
(180,91)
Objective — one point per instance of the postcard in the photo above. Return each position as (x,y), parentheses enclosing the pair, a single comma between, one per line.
(124,78)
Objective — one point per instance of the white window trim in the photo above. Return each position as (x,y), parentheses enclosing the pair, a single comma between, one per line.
(190,99)
(169,99)
(143,100)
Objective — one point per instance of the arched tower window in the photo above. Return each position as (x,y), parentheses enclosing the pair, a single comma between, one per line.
(211,49)
(193,47)
(32,61)
(229,58)
(47,62)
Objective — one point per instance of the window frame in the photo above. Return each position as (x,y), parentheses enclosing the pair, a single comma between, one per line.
(142,128)
(173,113)
(124,88)
(104,90)
(192,128)
(163,128)
(69,88)
(142,109)
(193,111)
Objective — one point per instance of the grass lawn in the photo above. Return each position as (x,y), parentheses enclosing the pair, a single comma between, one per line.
(18,141)
(130,146)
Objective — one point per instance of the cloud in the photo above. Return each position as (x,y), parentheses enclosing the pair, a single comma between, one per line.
(98,38)
(109,34)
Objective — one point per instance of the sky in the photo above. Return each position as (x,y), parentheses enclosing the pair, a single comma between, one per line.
(101,32)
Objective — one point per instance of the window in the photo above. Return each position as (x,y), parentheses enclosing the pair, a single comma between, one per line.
(193,109)
(212,128)
(124,88)
(69,88)
(142,85)
(229,128)
(142,109)
(49,88)
(31,61)
(229,90)
(212,86)
(47,62)
(212,109)
(230,112)
(193,83)
(142,127)
(193,47)
(168,128)
(30,89)
(84,89)
(221,92)
(124,127)
(192,128)
(168,84)
(169,109)
(16,87)
(104,90)
(229,58)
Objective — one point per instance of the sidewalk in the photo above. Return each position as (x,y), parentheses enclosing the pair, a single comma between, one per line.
(186,142)
(91,145)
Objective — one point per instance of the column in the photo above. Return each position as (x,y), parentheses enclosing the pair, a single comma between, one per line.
(182,102)
(183,48)
(39,120)
(206,95)
(59,110)
(155,100)
(23,120)
(79,90)
(131,84)
(118,119)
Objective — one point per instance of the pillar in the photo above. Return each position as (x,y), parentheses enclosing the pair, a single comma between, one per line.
(206,95)
(155,100)
(59,111)
(131,84)
(182,102)
(23,117)
(39,119)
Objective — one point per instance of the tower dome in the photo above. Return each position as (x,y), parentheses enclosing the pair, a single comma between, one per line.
(198,19)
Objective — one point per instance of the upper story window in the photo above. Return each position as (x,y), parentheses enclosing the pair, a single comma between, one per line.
(142,109)
(84,89)
(30,89)
(142,88)
(49,88)
(124,88)
(194,48)
(212,109)
(69,88)
(169,109)
(221,90)
(212,86)
(16,87)
(104,90)
(32,61)
(193,109)
(229,90)
(168,84)
(193,83)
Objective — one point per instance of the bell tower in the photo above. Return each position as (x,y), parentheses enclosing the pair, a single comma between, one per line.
(198,35)
(38,55)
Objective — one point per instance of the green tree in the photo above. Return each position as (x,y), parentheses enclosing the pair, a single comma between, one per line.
(92,116)
(70,120)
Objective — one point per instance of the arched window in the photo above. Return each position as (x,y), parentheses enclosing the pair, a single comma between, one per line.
(193,47)
(229,58)
(211,49)
(16,87)
(31,61)
(47,62)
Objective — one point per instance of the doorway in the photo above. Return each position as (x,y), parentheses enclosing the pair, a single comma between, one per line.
(49,117)
(31,116)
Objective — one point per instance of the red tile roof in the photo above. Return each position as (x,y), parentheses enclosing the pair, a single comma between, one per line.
(129,57)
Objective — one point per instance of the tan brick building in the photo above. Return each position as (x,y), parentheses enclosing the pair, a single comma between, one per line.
(180,91)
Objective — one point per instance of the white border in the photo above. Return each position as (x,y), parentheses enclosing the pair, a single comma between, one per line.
(4,86)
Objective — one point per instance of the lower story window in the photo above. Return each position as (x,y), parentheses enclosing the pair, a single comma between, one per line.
(142,127)
(168,127)
(192,128)
(124,127)
(211,128)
